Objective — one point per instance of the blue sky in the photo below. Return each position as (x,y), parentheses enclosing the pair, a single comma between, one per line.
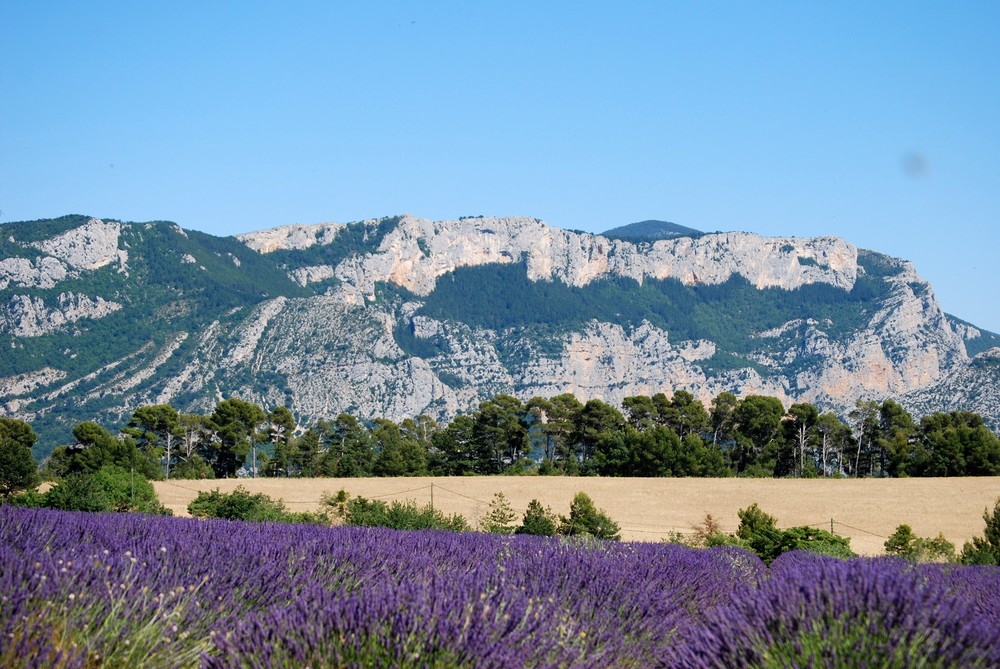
(876,122)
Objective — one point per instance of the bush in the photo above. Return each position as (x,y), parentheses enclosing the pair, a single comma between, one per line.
(585,519)
(985,550)
(759,533)
(905,544)
(538,520)
(78,492)
(397,515)
(501,517)
(241,504)
(816,541)
(110,488)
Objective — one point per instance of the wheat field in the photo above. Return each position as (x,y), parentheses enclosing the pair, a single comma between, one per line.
(866,510)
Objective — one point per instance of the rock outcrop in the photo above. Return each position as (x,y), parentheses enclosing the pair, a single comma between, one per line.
(90,246)
(27,316)
(346,330)
(290,237)
(417,252)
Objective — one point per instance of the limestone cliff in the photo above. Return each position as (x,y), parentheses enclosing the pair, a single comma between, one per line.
(417,252)
(27,316)
(331,318)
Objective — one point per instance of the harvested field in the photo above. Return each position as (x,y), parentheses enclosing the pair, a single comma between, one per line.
(866,510)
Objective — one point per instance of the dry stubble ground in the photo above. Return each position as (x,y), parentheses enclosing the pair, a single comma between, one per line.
(866,510)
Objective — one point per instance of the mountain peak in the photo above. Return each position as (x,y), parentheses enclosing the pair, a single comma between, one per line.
(650,231)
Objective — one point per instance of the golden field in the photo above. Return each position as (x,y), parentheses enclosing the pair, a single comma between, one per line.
(866,510)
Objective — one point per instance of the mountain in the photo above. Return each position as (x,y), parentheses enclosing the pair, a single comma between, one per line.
(400,316)
(650,231)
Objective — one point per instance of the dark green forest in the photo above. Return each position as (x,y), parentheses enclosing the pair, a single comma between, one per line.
(646,436)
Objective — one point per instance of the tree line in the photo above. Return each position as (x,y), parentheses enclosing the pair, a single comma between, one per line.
(646,436)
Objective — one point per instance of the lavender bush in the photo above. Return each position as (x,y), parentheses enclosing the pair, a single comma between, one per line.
(88,590)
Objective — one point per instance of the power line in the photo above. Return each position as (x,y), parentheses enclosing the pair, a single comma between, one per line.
(403,492)
(461,495)
(881,536)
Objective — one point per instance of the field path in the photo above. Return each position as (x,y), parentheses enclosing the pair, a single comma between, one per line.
(866,510)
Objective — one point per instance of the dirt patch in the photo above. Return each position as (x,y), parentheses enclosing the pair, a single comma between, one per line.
(866,510)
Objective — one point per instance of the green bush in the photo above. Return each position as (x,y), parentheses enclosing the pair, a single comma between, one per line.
(817,541)
(501,517)
(985,550)
(110,488)
(241,504)
(396,515)
(585,519)
(18,471)
(538,520)
(905,544)
(758,532)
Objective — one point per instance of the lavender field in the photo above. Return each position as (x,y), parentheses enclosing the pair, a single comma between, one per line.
(124,590)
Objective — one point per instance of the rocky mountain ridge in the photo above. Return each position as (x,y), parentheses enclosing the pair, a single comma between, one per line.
(99,317)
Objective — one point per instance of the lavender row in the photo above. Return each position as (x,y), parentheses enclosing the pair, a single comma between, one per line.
(80,590)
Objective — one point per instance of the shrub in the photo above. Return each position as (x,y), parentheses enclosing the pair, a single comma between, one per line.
(985,550)
(501,517)
(905,544)
(241,504)
(587,520)
(759,533)
(362,512)
(538,520)
(110,488)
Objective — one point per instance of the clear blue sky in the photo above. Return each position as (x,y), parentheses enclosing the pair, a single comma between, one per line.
(877,122)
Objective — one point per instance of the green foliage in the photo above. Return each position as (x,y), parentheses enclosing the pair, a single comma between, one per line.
(816,540)
(955,444)
(18,471)
(500,434)
(110,488)
(585,519)
(78,492)
(538,520)
(900,542)
(95,448)
(759,533)
(241,504)
(350,449)
(396,515)
(501,296)
(985,550)
(650,231)
(236,425)
(905,544)
(193,468)
(501,517)
(397,454)
(17,236)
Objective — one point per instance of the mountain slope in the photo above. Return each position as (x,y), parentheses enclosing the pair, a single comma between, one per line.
(650,231)
(397,316)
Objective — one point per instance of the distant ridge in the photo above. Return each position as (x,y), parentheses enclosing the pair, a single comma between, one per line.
(650,231)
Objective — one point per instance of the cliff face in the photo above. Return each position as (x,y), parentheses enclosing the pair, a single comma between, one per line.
(332,318)
(417,252)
